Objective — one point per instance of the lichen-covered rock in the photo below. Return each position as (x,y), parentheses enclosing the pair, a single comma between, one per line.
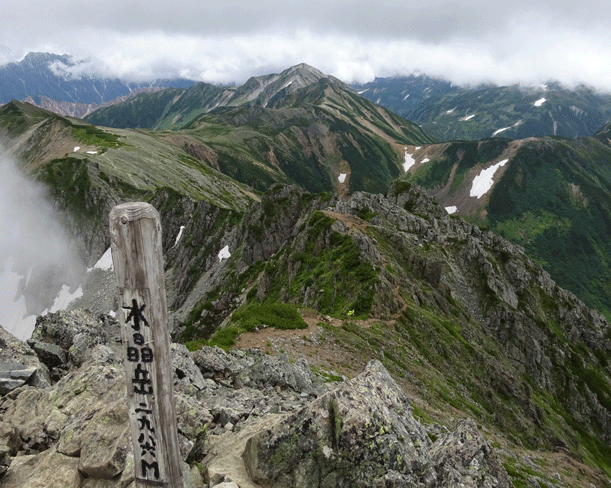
(253,368)
(16,352)
(463,458)
(24,421)
(49,468)
(185,369)
(360,434)
(349,437)
(65,340)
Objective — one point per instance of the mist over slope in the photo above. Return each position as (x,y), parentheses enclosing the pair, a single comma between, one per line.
(49,75)
(39,266)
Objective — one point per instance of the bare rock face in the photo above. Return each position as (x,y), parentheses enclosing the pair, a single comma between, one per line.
(19,365)
(245,418)
(48,469)
(65,340)
(363,434)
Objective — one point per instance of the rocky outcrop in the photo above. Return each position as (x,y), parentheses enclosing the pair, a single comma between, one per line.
(247,418)
(363,434)
(19,365)
(65,340)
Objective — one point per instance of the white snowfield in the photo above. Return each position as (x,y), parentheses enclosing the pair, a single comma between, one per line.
(76,148)
(342,177)
(224,253)
(539,102)
(483,181)
(409,161)
(182,228)
(104,263)
(468,117)
(65,298)
(452,209)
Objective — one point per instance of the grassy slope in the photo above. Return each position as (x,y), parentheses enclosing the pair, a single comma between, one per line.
(454,362)
(554,198)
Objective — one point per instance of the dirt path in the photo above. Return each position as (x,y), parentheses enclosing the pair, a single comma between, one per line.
(314,344)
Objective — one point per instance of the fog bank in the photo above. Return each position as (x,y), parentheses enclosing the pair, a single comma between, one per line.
(39,267)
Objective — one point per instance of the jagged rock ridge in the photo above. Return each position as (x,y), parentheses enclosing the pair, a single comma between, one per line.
(228,406)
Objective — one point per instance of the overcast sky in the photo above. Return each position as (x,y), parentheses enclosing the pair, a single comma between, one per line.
(228,41)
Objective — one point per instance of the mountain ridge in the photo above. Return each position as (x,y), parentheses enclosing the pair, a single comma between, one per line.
(451,112)
(548,194)
(310,135)
(37,75)
(489,353)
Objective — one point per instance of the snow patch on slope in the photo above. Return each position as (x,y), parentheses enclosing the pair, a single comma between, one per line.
(65,297)
(409,161)
(182,228)
(104,263)
(483,182)
(539,102)
(224,253)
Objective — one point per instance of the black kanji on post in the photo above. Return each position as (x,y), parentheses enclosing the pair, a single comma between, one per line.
(135,313)
(149,446)
(142,378)
(145,423)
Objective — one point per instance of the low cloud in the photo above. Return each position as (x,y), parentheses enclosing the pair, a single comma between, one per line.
(37,258)
(467,42)
(570,58)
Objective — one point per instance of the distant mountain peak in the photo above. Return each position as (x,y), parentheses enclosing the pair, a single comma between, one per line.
(34,76)
(303,69)
(261,89)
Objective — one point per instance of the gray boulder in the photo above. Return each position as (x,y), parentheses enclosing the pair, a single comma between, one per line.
(65,340)
(361,434)
(14,375)
(19,365)
(254,368)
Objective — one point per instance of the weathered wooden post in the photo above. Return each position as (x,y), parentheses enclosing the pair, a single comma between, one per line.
(137,257)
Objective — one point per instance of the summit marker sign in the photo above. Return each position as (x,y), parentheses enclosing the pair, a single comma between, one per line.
(138,262)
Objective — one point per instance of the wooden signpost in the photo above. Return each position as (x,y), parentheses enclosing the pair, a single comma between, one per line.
(137,257)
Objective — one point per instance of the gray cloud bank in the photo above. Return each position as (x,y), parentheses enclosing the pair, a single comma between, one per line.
(466,42)
(37,258)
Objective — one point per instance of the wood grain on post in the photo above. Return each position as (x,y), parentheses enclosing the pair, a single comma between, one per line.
(137,257)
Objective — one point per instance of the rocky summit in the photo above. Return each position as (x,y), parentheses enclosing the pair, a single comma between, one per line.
(333,325)
(245,419)
(390,362)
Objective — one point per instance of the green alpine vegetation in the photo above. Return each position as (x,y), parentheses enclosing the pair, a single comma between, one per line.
(265,247)
(298,127)
(553,197)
